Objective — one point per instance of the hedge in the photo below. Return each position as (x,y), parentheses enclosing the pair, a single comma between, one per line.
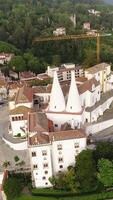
(69,195)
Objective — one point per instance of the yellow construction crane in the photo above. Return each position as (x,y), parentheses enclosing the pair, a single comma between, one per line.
(76,37)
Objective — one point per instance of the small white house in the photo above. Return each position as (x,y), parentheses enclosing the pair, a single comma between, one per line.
(59,31)
(18,120)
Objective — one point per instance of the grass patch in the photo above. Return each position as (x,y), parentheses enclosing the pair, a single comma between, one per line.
(25,197)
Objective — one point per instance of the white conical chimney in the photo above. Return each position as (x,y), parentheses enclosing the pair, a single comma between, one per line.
(57,101)
(73,102)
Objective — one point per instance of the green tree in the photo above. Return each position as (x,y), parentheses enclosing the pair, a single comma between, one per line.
(12,188)
(16,158)
(17,63)
(85,170)
(65,180)
(56,60)
(103,150)
(105,175)
(6,164)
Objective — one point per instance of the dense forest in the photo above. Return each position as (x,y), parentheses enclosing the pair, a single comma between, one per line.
(23,20)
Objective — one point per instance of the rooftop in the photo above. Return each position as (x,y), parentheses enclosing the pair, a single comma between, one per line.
(20,110)
(24,95)
(37,122)
(97,68)
(41,138)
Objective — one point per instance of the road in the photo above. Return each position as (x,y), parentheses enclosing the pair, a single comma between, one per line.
(4,119)
(1,196)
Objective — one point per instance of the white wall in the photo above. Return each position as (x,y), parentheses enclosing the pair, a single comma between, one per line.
(16,126)
(68,153)
(29,105)
(11,105)
(17,146)
(39,160)
(95,128)
(61,118)
(45,96)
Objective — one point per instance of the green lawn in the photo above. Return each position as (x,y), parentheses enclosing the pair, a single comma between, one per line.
(25,197)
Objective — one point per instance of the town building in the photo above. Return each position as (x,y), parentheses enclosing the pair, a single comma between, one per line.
(102,73)
(59,31)
(66,109)
(48,153)
(86,26)
(64,71)
(5,58)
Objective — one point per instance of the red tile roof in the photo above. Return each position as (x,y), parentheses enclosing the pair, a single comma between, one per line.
(41,138)
(24,95)
(37,122)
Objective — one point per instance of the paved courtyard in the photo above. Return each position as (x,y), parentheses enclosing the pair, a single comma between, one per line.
(7,153)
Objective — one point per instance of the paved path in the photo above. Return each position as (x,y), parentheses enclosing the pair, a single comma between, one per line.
(7,153)
(106,134)
(1,196)
(4,120)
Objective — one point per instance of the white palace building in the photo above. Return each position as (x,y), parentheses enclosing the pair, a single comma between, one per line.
(70,110)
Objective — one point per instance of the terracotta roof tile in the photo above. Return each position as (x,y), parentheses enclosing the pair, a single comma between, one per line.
(20,110)
(41,138)
(66,135)
(37,122)
(24,95)
(88,85)
(97,68)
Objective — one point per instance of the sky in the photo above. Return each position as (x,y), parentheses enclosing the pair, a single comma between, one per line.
(109,1)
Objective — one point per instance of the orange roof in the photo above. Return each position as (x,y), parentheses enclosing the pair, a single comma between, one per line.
(41,138)
(97,68)
(24,95)
(20,110)
(37,122)
(65,135)
(87,85)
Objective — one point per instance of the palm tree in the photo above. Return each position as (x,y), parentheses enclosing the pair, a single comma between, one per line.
(6,164)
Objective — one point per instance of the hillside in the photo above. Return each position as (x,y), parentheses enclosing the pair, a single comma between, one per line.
(22,21)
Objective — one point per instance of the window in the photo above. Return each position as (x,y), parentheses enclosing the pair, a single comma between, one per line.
(59,147)
(46,183)
(56,125)
(61,166)
(60,159)
(44,153)
(77,151)
(46,172)
(45,165)
(43,178)
(19,118)
(76,145)
(33,154)
(35,166)
(13,119)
